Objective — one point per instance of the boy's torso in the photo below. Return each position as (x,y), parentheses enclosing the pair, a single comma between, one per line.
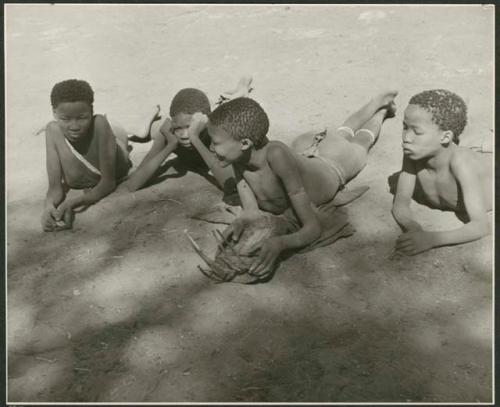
(271,195)
(75,173)
(442,189)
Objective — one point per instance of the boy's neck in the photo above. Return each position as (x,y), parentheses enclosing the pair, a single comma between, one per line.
(441,158)
(257,158)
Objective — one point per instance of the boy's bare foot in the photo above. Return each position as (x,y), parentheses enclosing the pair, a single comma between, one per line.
(243,89)
(146,134)
(390,110)
(385,98)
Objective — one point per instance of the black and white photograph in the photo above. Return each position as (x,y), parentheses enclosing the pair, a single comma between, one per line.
(249,203)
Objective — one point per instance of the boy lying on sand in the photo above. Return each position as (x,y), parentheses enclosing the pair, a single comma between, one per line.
(174,136)
(298,183)
(83,152)
(447,176)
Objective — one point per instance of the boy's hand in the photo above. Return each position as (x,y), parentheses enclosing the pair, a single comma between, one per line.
(166,131)
(198,124)
(235,229)
(411,243)
(269,250)
(64,215)
(49,219)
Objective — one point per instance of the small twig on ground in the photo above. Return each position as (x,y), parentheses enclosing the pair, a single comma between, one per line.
(135,232)
(170,199)
(110,257)
(45,359)
(170,231)
(82,369)
(217,222)
(253,388)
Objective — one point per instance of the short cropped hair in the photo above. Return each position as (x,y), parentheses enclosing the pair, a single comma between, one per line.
(71,90)
(448,110)
(189,101)
(242,118)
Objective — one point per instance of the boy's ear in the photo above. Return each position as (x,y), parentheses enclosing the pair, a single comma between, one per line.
(447,137)
(246,143)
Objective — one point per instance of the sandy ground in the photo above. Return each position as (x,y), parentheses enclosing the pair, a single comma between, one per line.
(116,310)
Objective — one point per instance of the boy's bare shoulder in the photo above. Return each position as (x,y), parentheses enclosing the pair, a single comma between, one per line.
(277,150)
(52,130)
(461,158)
(100,120)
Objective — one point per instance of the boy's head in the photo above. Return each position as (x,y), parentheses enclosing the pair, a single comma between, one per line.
(433,118)
(235,127)
(72,105)
(185,103)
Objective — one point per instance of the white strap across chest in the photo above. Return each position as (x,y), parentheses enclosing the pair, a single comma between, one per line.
(82,159)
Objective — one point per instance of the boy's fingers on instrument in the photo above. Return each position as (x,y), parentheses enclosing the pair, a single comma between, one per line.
(263,268)
(226,233)
(256,264)
(254,248)
(237,231)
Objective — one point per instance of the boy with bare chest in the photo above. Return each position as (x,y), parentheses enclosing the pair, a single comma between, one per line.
(449,177)
(299,182)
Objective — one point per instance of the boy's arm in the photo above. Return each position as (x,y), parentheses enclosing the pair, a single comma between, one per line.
(156,156)
(249,205)
(284,166)
(402,198)
(247,197)
(55,193)
(221,174)
(478,226)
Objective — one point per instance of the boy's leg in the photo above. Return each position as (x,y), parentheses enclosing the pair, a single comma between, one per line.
(358,119)
(159,143)
(121,137)
(145,134)
(350,152)
(367,135)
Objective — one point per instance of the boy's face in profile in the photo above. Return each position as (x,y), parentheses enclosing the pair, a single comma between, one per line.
(180,126)
(421,136)
(74,119)
(226,148)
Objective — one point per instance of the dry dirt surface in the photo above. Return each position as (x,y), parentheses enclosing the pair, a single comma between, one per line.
(116,310)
